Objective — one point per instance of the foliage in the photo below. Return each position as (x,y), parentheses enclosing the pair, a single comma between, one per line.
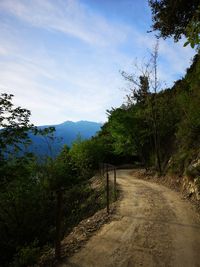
(193,30)
(14,125)
(86,155)
(130,128)
(81,201)
(171,18)
(27,255)
(60,172)
(82,158)
(28,188)
(22,200)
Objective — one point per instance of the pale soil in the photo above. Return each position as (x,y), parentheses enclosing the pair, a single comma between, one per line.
(153,226)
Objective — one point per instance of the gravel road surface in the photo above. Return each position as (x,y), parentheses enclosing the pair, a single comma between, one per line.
(153,226)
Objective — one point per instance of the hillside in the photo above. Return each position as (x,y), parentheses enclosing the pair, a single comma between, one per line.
(65,133)
(161,130)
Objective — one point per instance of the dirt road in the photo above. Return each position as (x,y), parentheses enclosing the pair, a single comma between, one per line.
(153,226)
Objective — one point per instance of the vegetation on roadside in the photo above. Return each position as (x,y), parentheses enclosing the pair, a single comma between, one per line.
(28,189)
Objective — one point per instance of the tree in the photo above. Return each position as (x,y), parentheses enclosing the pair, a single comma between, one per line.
(171,17)
(153,105)
(139,85)
(193,30)
(144,93)
(62,176)
(131,132)
(15,124)
(26,207)
(26,210)
(61,172)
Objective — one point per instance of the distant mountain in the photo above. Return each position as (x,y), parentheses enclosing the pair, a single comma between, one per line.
(66,133)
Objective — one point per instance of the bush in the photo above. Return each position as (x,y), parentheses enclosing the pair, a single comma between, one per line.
(27,255)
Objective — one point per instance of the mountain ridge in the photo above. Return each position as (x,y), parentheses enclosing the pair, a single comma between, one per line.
(65,133)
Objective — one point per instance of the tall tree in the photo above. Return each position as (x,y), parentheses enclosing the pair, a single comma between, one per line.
(144,93)
(153,104)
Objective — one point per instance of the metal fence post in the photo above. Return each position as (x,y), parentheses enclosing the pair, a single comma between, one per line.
(115,190)
(59,199)
(107,189)
(100,168)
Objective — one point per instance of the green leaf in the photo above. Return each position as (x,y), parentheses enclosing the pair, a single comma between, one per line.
(186,43)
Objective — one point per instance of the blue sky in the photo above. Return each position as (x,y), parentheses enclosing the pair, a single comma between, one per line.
(61,58)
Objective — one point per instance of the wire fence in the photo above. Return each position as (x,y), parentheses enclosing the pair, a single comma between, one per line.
(109,172)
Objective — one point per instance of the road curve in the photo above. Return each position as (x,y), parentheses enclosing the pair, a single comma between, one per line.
(153,226)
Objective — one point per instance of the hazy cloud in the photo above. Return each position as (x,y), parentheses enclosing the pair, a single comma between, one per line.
(69,17)
(62,80)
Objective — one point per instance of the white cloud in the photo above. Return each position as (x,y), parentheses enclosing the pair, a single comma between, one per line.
(3,51)
(173,58)
(59,82)
(69,17)
(58,92)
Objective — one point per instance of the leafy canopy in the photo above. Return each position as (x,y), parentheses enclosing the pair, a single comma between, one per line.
(172,17)
(14,123)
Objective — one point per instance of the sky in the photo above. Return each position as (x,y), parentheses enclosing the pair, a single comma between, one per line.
(62,58)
